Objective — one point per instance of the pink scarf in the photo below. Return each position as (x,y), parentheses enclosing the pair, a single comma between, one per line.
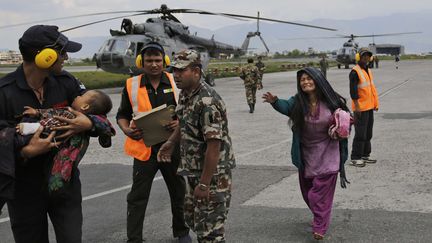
(340,127)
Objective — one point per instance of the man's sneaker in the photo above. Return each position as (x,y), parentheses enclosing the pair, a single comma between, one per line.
(369,160)
(185,239)
(358,162)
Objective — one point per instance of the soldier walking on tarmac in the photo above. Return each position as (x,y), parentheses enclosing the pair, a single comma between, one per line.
(261,67)
(252,82)
(324,66)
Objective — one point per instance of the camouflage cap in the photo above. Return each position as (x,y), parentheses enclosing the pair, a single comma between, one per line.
(185,58)
(365,50)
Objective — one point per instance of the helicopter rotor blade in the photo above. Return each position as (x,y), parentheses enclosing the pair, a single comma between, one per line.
(352,36)
(313,37)
(258,22)
(71,17)
(388,34)
(265,45)
(164,10)
(237,16)
(278,21)
(100,21)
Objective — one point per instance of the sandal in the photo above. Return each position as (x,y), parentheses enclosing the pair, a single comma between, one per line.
(318,236)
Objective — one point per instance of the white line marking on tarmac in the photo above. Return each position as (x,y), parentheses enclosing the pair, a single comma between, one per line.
(3,220)
(262,149)
(393,88)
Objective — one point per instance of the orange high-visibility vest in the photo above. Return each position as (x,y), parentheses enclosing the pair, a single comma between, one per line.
(140,102)
(368,96)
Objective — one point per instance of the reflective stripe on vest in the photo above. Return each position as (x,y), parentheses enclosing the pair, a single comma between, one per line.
(140,102)
(368,97)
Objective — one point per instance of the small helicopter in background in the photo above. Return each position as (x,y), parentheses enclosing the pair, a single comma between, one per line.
(346,55)
(118,53)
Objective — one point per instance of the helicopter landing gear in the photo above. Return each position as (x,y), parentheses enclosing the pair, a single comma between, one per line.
(209,79)
(339,66)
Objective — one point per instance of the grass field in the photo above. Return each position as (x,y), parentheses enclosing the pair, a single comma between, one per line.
(217,68)
(99,80)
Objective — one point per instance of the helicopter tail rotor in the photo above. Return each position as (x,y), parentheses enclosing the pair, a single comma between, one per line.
(265,45)
(256,33)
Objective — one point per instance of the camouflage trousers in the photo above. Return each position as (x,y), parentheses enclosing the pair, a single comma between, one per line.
(207,219)
(251,94)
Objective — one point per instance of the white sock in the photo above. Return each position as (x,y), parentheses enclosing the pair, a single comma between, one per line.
(26,128)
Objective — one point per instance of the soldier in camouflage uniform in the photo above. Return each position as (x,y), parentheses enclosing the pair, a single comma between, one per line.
(324,66)
(250,76)
(206,150)
(261,67)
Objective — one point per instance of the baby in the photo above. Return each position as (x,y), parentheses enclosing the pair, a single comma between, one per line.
(96,105)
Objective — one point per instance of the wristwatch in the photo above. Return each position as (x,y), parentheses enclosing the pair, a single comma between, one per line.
(203,187)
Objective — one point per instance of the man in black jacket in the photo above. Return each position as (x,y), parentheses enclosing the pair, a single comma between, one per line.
(40,83)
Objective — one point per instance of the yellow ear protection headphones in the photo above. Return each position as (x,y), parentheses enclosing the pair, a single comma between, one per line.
(46,57)
(357,57)
(154,45)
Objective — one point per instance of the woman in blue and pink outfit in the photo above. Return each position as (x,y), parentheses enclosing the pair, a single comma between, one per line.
(318,156)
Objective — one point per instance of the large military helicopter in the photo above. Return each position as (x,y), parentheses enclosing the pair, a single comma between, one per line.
(118,53)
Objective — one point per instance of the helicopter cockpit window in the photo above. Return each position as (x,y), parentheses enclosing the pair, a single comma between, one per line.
(106,47)
(120,46)
(131,49)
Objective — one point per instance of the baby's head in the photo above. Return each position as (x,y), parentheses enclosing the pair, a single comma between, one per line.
(93,102)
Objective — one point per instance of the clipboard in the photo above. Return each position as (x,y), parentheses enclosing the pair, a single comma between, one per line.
(153,122)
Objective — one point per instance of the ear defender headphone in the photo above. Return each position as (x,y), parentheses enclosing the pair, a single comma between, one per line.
(357,57)
(154,45)
(46,57)
(167,61)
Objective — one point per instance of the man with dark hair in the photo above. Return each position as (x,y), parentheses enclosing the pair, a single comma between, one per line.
(40,83)
(207,156)
(364,102)
(142,93)
(250,75)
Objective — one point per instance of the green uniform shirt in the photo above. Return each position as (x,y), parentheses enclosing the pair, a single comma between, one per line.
(202,116)
(251,75)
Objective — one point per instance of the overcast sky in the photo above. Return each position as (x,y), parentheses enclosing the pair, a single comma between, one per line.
(18,11)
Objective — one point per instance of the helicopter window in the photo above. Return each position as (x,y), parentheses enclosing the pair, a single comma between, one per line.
(119,46)
(131,49)
(106,46)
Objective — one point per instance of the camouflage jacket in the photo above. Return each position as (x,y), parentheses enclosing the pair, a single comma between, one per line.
(202,116)
(261,67)
(250,75)
(323,65)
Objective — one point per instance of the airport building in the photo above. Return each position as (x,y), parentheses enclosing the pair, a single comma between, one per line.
(389,49)
(10,57)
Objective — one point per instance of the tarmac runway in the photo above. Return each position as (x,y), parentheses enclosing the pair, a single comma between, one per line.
(386,202)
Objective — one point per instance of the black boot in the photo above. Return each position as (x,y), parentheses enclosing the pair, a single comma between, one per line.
(251,110)
(253,107)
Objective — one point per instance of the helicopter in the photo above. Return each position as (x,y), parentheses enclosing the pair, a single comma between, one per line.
(346,55)
(118,53)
